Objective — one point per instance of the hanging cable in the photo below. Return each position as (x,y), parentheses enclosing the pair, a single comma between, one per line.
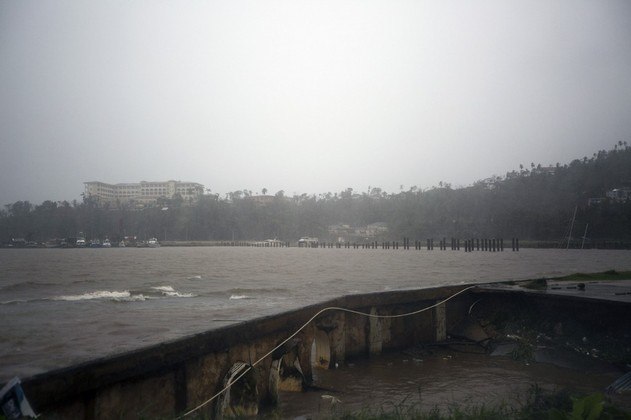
(321,311)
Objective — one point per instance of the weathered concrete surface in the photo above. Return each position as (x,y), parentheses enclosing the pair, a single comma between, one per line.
(203,375)
(593,290)
(171,378)
(595,326)
(150,398)
(440,322)
(610,291)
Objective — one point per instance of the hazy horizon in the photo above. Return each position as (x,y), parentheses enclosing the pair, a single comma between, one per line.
(304,97)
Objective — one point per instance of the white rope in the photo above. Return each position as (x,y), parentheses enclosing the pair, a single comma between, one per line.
(330,308)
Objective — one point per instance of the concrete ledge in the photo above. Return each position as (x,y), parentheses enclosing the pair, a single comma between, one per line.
(88,382)
(167,379)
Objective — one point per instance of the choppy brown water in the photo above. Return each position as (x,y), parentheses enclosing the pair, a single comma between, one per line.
(444,380)
(63,306)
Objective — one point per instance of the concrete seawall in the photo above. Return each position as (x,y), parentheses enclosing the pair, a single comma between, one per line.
(168,379)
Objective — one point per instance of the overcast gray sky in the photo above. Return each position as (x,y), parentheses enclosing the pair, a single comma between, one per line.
(304,96)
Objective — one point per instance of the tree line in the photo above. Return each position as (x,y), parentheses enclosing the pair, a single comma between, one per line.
(534,202)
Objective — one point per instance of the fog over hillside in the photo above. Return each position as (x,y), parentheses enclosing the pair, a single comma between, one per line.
(304,97)
(537,202)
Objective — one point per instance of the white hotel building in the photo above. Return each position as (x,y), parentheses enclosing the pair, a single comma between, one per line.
(143,192)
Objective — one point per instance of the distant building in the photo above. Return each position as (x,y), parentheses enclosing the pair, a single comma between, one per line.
(619,194)
(261,199)
(341,232)
(143,192)
(308,241)
(549,170)
(376,229)
(344,232)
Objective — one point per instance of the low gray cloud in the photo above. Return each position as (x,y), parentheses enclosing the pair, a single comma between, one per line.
(304,96)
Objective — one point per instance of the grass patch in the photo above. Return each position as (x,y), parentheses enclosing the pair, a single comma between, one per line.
(538,284)
(605,275)
(542,283)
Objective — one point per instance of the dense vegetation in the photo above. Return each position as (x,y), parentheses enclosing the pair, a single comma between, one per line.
(533,203)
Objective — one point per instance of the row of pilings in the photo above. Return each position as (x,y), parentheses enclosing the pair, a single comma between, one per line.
(256,244)
(455,244)
(469,245)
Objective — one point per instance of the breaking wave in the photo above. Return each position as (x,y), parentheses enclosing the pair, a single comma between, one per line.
(157,292)
(259,291)
(169,291)
(237,297)
(124,296)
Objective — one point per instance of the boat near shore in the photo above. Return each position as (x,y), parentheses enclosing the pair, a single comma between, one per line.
(307,241)
(151,243)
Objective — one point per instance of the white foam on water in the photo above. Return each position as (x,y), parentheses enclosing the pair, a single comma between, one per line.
(236,297)
(171,292)
(100,294)
(182,295)
(133,298)
(194,278)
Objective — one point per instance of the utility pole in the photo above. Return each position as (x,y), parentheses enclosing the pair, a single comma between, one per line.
(571,228)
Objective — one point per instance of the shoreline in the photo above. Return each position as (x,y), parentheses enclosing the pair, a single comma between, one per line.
(523,244)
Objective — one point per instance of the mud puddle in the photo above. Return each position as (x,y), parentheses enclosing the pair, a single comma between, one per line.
(442,379)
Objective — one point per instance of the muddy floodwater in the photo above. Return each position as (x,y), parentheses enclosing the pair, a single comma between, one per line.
(63,306)
(443,380)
